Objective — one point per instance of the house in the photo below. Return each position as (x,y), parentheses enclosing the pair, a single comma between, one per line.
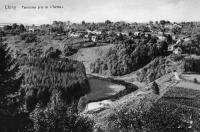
(32,29)
(160,33)
(178,41)
(178,51)
(125,33)
(136,33)
(187,39)
(161,38)
(94,38)
(171,48)
(168,26)
(174,37)
(96,32)
(177,25)
(88,31)
(87,35)
(74,34)
(5,24)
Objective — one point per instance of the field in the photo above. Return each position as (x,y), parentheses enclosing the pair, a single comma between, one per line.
(185,94)
(191,77)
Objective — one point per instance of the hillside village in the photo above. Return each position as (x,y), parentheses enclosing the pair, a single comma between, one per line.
(112,32)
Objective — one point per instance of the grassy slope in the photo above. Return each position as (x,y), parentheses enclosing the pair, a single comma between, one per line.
(186,93)
(88,55)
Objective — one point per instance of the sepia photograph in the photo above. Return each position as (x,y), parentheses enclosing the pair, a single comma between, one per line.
(99,65)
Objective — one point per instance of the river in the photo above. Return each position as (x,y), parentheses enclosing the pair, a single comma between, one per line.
(105,90)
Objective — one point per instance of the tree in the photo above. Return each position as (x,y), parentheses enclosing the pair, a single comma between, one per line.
(11,119)
(163,46)
(14,26)
(151,22)
(195,80)
(155,88)
(162,22)
(21,28)
(108,22)
(83,22)
(7,28)
(9,82)
(82,104)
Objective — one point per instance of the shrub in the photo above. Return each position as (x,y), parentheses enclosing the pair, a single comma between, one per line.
(155,88)
(195,80)
(52,53)
(82,104)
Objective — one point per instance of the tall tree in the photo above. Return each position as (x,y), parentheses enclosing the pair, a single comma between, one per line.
(10,82)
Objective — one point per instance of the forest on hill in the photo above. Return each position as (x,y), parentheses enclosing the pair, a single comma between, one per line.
(41,94)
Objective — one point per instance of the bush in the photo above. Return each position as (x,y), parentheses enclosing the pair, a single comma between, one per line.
(155,88)
(52,53)
(68,50)
(82,104)
(195,80)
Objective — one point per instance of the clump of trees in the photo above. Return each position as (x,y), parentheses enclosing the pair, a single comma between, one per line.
(154,70)
(15,28)
(192,65)
(59,117)
(69,50)
(129,56)
(45,98)
(44,75)
(52,53)
(12,118)
(29,37)
(161,117)
(52,88)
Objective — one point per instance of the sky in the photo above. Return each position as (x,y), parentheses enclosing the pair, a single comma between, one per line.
(100,10)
